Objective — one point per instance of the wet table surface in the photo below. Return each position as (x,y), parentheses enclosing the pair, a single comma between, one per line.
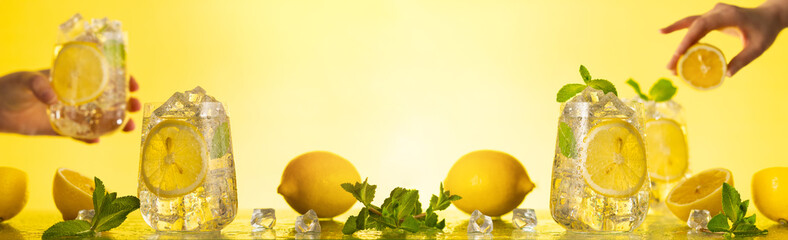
(31,224)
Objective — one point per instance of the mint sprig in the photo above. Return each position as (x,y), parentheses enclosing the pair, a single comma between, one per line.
(734,209)
(662,90)
(401,210)
(570,90)
(110,212)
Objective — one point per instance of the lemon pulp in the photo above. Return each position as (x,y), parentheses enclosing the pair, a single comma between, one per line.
(702,66)
(72,192)
(702,191)
(79,73)
(173,160)
(616,159)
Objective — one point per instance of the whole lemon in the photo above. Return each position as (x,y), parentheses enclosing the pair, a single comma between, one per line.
(313,181)
(13,192)
(493,182)
(770,193)
(72,192)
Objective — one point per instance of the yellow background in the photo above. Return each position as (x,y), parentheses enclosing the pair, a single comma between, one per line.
(400,88)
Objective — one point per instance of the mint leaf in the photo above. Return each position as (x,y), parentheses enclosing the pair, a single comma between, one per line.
(743,209)
(116,213)
(718,223)
(79,228)
(636,86)
(566,140)
(603,85)
(363,192)
(750,219)
(730,202)
(98,194)
(662,90)
(220,144)
(584,73)
(115,52)
(441,224)
(568,91)
(350,225)
(411,224)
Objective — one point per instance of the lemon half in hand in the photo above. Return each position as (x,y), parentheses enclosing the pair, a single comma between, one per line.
(667,150)
(702,191)
(615,159)
(72,192)
(174,160)
(703,66)
(79,73)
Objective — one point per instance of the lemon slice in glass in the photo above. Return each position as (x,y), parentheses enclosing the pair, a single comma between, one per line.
(174,159)
(703,66)
(667,150)
(79,73)
(615,159)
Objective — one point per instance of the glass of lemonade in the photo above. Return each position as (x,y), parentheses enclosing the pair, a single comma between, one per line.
(600,182)
(89,77)
(187,172)
(667,150)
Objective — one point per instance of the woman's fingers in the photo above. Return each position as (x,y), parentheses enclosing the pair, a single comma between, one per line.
(680,24)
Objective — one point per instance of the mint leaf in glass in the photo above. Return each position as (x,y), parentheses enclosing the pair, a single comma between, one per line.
(663,90)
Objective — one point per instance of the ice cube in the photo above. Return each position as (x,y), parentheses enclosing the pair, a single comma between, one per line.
(86,214)
(698,219)
(263,218)
(480,223)
(524,219)
(307,223)
(69,24)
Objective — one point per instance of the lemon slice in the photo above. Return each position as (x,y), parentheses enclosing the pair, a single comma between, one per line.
(615,159)
(702,191)
(703,66)
(667,150)
(173,159)
(72,192)
(79,73)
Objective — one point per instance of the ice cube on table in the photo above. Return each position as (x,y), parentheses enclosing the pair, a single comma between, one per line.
(480,223)
(698,219)
(307,223)
(86,214)
(524,219)
(263,218)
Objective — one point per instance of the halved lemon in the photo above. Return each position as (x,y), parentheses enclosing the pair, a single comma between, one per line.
(174,159)
(702,191)
(615,159)
(79,73)
(667,150)
(703,66)
(72,192)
